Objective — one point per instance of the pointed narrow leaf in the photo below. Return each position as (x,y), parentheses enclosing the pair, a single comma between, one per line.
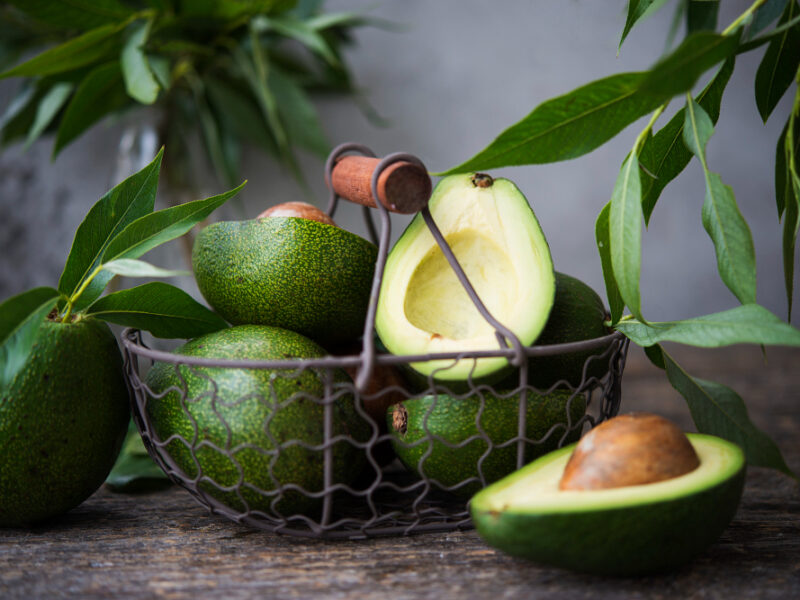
(74,14)
(769,37)
(637,10)
(140,83)
(159,227)
(118,208)
(48,108)
(301,32)
(779,64)
(567,126)
(602,237)
(20,113)
(20,319)
(697,129)
(718,410)
(766,14)
(625,229)
(746,324)
(160,308)
(130,267)
(655,355)
(237,108)
(791,223)
(782,180)
(303,125)
(702,15)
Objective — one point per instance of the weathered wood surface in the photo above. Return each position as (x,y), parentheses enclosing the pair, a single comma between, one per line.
(165,545)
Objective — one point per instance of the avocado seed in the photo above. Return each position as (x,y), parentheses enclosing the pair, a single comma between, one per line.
(303,210)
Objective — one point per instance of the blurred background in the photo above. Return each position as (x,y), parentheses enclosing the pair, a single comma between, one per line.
(445,80)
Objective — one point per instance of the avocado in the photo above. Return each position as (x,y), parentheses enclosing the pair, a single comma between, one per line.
(288,272)
(62,421)
(628,530)
(260,430)
(494,234)
(441,437)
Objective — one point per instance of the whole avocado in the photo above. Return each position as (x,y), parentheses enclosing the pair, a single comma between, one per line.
(62,421)
(257,430)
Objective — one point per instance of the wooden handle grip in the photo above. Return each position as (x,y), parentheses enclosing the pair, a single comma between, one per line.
(403,187)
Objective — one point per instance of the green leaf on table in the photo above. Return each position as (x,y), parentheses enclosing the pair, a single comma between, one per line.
(679,71)
(93,46)
(118,208)
(602,237)
(779,64)
(664,155)
(567,126)
(74,14)
(718,410)
(702,15)
(303,125)
(625,230)
(47,108)
(745,324)
(134,471)
(20,319)
(101,92)
(160,308)
(637,10)
(140,83)
(130,267)
(733,241)
(766,14)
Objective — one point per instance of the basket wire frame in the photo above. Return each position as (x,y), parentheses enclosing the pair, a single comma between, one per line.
(385,499)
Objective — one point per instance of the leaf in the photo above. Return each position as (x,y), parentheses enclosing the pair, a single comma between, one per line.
(20,319)
(745,324)
(782,179)
(100,93)
(135,471)
(779,65)
(20,113)
(130,267)
(118,208)
(664,155)
(679,71)
(303,125)
(772,35)
(48,107)
(301,32)
(718,410)
(791,198)
(766,14)
(159,227)
(625,230)
(240,112)
(232,9)
(74,14)
(702,15)
(212,136)
(140,83)
(602,237)
(160,308)
(95,45)
(791,223)
(637,10)
(567,126)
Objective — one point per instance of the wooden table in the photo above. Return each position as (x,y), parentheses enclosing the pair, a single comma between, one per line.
(163,544)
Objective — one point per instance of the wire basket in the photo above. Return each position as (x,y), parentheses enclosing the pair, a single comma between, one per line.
(408,472)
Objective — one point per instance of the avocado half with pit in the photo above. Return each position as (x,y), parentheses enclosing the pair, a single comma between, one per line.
(626,530)
(423,307)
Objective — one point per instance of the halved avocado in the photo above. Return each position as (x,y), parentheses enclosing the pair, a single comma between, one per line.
(495,236)
(620,531)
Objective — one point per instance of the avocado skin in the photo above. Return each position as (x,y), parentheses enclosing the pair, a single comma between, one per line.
(631,540)
(453,419)
(244,419)
(62,422)
(287,272)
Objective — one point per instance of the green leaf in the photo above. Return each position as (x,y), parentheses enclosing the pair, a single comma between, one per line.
(240,112)
(664,155)
(303,125)
(74,14)
(745,324)
(567,126)
(118,208)
(140,82)
(135,471)
(766,14)
(783,183)
(48,107)
(100,93)
(20,113)
(718,410)
(160,308)
(791,198)
(232,9)
(93,46)
(779,64)
(602,237)
(212,136)
(159,227)
(637,10)
(702,15)
(130,267)
(20,319)
(625,230)
(298,30)
(679,71)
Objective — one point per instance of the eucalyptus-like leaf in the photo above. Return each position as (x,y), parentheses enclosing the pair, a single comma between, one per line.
(212,136)
(702,15)
(301,32)
(745,324)
(625,229)
(160,308)
(766,14)
(233,9)
(20,114)
(140,83)
(783,182)
(768,37)
(20,319)
(602,237)
(637,10)
(791,199)
(74,14)
(567,126)
(718,410)
(99,44)
(779,64)
(303,125)
(47,108)
(110,215)
(100,93)
(679,71)
(131,267)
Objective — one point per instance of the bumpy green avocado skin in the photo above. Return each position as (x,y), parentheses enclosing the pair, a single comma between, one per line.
(62,422)
(254,428)
(454,420)
(287,272)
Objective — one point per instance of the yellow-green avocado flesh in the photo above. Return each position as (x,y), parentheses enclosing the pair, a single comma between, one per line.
(495,236)
(620,531)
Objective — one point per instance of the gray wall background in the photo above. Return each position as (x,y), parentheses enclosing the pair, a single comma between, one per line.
(461,72)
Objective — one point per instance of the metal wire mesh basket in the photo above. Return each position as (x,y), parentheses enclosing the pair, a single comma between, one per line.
(397,470)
